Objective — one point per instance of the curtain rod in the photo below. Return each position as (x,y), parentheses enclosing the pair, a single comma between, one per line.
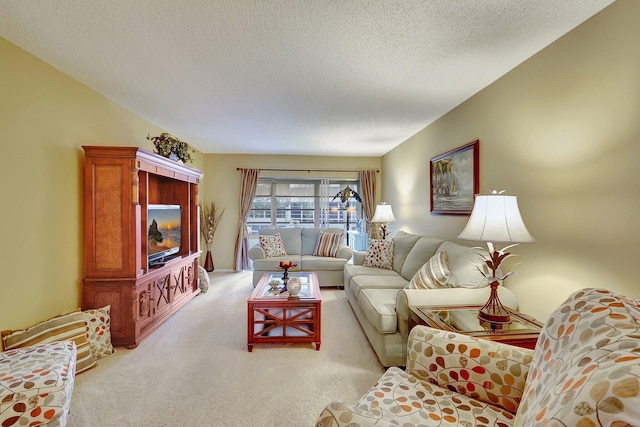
(307,170)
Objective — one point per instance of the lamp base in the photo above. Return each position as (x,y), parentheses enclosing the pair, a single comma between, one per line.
(493,312)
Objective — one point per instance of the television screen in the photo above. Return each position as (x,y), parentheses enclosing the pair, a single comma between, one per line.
(165,230)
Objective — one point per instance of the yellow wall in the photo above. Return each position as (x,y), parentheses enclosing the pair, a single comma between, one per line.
(222,182)
(46,117)
(561,131)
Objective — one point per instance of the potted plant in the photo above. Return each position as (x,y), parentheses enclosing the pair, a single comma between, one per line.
(171,147)
(210,216)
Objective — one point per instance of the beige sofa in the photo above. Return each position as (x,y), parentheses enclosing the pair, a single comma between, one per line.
(299,244)
(381,303)
(584,371)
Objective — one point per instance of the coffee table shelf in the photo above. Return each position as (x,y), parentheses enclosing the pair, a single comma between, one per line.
(276,317)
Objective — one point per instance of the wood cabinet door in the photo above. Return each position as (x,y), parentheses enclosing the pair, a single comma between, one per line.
(162,294)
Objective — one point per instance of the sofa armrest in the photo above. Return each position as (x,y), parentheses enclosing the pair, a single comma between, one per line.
(358,257)
(445,296)
(344,252)
(485,370)
(257,252)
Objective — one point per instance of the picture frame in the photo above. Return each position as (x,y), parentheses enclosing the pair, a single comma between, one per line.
(455,180)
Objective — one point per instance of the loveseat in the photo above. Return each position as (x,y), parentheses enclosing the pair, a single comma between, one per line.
(300,244)
(380,299)
(584,371)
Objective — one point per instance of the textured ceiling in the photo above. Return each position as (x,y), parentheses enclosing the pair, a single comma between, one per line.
(323,77)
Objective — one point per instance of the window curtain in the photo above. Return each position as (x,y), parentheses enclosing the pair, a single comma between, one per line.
(249,185)
(324,203)
(367,178)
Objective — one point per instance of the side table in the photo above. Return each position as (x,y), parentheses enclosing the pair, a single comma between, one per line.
(523,331)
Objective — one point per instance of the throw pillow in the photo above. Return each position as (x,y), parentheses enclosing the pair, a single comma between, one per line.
(327,244)
(60,328)
(433,274)
(379,254)
(99,331)
(272,244)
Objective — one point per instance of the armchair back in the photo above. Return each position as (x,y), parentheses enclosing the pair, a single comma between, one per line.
(586,366)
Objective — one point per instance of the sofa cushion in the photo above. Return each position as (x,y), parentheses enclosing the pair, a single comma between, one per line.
(403,243)
(422,251)
(352,270)
(271,264)
(290,238)
(273,245)
(379,254)
(433,274)
(464,263)
(321,263)
(327,244)
(394,281)
(379,306)
(309,238)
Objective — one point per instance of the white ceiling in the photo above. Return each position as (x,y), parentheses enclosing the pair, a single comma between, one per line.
(321,77)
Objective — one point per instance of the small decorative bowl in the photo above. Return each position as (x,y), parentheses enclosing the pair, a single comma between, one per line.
(274,283)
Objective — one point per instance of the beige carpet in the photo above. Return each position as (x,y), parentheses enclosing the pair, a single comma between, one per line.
(195,370)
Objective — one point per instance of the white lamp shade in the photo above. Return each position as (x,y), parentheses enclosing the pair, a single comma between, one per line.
(496,218)
(383,214)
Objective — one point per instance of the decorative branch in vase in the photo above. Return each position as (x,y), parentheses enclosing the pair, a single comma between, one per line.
(210,216)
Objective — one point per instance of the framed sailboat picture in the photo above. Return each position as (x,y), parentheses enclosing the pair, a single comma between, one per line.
(454,180)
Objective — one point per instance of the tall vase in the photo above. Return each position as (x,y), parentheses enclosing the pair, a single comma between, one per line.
(208,260)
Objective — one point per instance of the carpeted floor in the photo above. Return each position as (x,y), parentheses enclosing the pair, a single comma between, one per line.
(195,370)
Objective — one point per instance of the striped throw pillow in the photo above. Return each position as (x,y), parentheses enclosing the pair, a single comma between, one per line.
(328,244)
(433,274)
(60,328)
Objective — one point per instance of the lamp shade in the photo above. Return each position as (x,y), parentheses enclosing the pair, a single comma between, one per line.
(383,214)
(496,218)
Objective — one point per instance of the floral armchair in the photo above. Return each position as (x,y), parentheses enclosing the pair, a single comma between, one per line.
(584,371)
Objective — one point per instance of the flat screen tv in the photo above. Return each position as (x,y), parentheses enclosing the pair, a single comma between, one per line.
(165,231)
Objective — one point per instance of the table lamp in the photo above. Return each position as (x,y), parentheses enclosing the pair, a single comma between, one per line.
(495,218)
(383,215)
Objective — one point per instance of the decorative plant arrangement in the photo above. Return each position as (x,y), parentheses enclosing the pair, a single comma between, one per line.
(493,260)
(210,216)
(171,147)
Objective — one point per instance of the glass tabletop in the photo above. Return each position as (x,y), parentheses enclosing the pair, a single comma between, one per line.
(274,287)
(465,320)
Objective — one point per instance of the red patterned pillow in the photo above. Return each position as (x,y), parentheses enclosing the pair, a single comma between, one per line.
(327,244)
(379,254)
(272,244)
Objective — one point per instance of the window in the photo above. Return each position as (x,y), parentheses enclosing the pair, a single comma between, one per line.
(302,203)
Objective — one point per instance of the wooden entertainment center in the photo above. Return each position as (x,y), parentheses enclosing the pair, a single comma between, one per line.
(119,184)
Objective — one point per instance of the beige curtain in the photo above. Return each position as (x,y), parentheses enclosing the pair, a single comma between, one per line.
(367,178)
(249,185)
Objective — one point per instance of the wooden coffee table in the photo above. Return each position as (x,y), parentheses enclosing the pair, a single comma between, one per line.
(523,331)
(275,317)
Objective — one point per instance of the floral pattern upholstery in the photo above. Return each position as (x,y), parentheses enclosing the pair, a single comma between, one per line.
(36,384)
(585,371)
